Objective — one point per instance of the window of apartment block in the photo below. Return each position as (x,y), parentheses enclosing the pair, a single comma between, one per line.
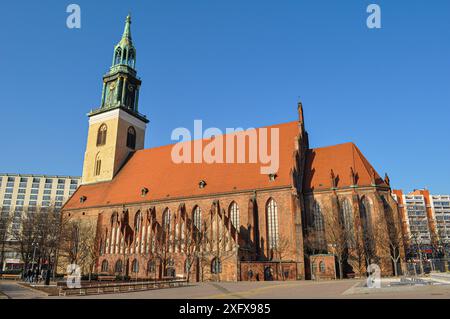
(34,191)
(61,186)
(47,192)
(22,191)
(11,179)
(9,190)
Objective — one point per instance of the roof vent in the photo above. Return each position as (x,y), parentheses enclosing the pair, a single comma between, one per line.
(144,191)
(202,184)
(83,199)
(272,177)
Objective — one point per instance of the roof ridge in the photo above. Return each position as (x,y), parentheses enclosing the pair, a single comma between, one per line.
(207,139)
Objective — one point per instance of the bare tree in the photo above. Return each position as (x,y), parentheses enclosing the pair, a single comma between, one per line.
(39,235)
(388,238)
(337,238)
(218,239)
(281,251)
(313,242)
(5,224)
(357,252)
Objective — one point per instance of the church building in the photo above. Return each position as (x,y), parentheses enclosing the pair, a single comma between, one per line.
(318,216)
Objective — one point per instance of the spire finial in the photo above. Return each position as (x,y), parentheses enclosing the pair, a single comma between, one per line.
(127,30)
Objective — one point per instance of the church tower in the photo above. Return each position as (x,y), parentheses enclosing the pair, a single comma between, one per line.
(116,128)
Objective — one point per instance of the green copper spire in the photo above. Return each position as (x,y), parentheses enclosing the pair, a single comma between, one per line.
(121,84)
(127,31)
(124,51)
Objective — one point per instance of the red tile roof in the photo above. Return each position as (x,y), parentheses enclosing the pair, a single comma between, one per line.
(154,169)
(339,158)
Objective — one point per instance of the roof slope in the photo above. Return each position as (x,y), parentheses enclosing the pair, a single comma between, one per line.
(339,158)
(154,169)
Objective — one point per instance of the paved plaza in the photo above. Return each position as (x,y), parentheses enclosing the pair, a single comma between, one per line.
(347,289)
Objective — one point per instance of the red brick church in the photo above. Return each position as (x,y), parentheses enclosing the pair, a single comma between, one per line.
(155,218)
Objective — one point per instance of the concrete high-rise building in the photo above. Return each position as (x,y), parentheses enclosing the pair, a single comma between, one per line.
(21,193)
(426,220)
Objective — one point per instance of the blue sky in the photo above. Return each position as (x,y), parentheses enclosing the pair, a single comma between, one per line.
(235,63)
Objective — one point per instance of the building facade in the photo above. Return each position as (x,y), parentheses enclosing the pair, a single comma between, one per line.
(157,218)
(426,220)
(20,194)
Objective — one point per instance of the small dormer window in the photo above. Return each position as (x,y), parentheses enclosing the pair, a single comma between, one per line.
(202,184)
(272,177)
(83,199)
(144,191)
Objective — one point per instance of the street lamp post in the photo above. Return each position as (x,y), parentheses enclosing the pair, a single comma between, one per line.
(34,245)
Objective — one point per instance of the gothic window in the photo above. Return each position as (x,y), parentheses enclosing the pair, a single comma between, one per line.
(124,56)
(167,219)
(322,267)
(131,59)
(137,222)
(135,266)
(366,219)
(318,224)
(118,56)
(197,218)
(216,266)
(272,224)
(234,214)
(131,138)
(101,135)
(151,266)
(98,166)
(105,266)
(347,218)
(118,266)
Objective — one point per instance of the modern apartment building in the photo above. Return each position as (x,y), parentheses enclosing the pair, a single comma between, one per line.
(441,212)
(426,219)
(20,193)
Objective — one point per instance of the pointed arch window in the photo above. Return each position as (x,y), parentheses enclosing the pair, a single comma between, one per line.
(98,166)
(131,59)
(347,219)
(137,222)
(118,56)
(101,135)
(105,267)
(322,267)
(118,266)
(197,216)
(234,215)
(216,266)
(366,218)
(131,138)
(167,219)
(318,224)
(151,266)
(272,224)
(135,266)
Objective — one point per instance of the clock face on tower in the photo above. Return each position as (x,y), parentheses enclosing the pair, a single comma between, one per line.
(130,88)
